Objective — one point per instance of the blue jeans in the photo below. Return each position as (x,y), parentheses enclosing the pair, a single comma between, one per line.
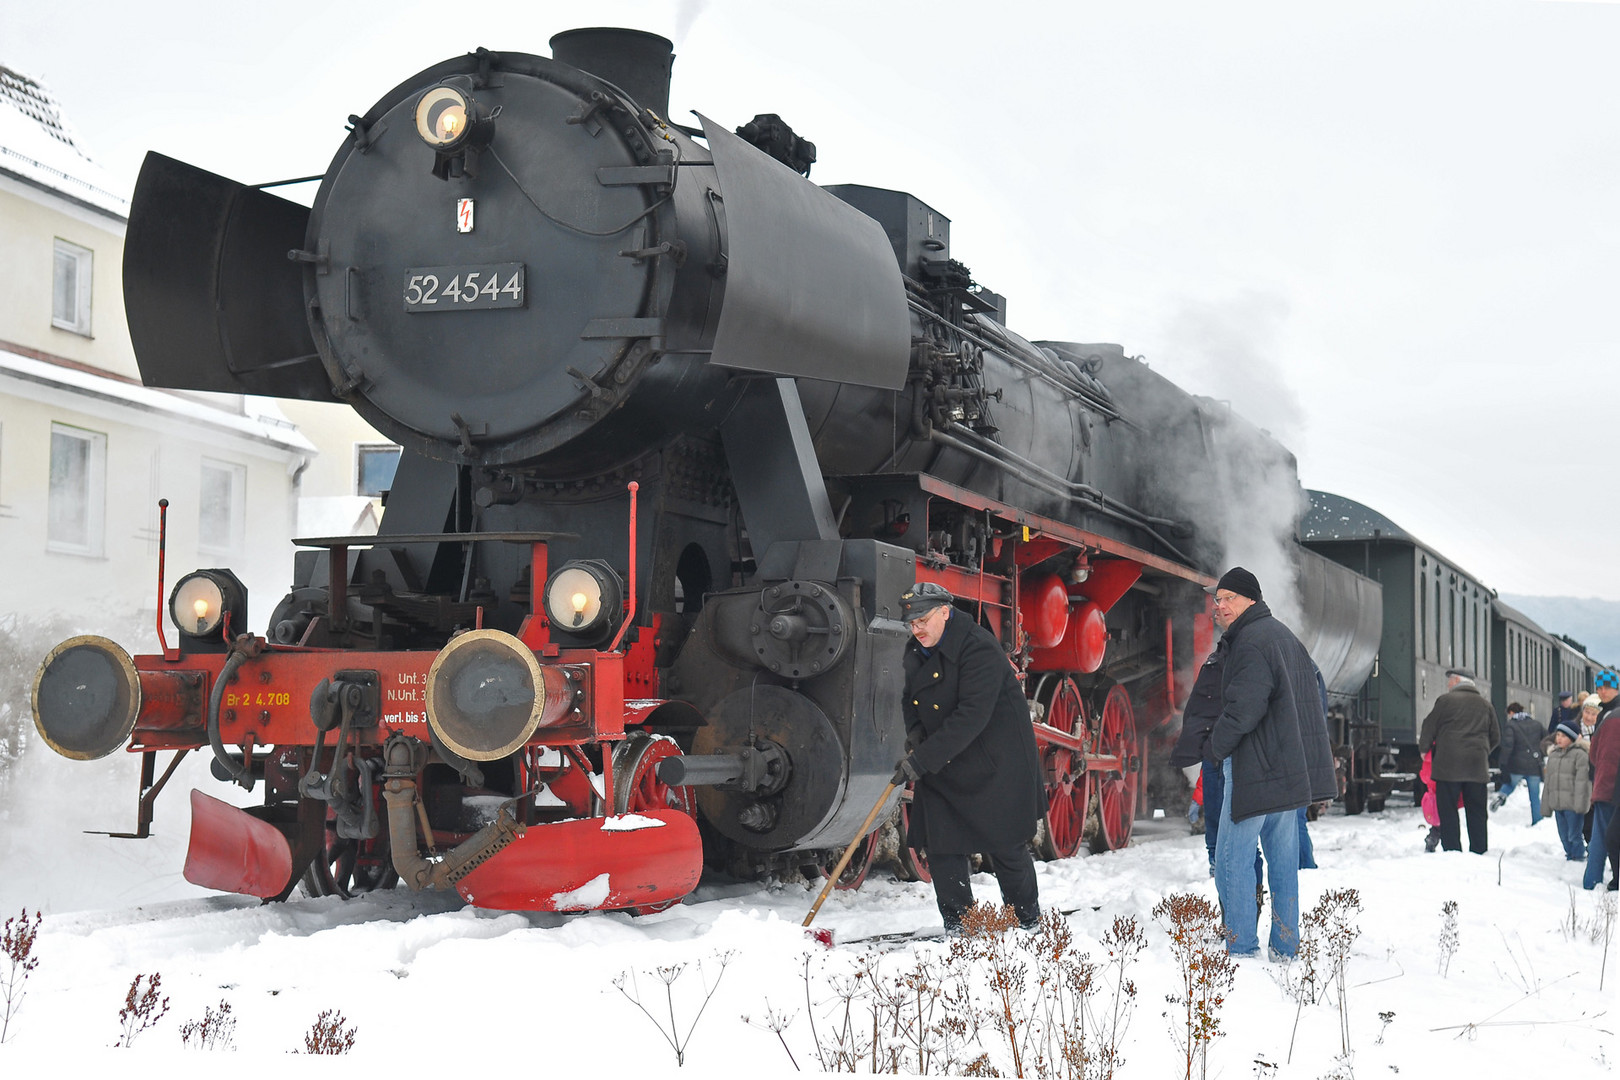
(1237,880)
(1596,856)
(1531,782)
(1307,853)
(1214,797)
(1569,824)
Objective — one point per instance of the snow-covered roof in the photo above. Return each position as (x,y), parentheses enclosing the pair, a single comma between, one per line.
(263,422)
(1334,517)
(40,147)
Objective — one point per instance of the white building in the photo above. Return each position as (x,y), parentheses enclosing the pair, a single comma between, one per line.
(86,452)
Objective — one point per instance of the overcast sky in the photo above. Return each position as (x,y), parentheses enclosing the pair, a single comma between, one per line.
(1387,232)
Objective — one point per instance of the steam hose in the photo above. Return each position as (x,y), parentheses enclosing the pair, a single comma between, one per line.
(237,770)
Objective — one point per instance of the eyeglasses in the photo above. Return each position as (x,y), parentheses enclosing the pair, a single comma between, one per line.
(920,621)
(1227,599)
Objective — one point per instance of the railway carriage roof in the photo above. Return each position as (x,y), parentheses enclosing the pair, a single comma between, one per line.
(1509,613)
(1334,517)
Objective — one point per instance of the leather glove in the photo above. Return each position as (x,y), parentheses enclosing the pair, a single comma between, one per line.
(905,771)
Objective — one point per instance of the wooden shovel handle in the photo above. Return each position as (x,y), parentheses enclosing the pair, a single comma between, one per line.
(837,871)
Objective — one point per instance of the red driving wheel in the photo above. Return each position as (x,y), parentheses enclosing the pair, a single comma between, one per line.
(1068,787)
(636,786)
(1116,790)
(913,861)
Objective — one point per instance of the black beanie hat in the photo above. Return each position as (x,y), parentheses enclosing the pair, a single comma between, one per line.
(1240,581)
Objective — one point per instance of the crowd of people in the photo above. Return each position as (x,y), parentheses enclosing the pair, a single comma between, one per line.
(1570,769)
(1254,738)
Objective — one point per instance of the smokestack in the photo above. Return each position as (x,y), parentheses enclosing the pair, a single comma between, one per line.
(635,61)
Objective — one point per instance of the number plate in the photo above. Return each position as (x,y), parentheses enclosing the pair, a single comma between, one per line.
(463,288)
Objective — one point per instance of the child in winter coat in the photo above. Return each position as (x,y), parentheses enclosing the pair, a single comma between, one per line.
(1567,792)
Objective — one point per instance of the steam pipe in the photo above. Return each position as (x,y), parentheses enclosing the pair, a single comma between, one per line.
(1038,477)
(417,872)
(403,757)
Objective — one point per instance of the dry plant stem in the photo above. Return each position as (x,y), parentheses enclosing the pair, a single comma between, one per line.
(1491,1021)
(1340,907)
(1606,914)
(17,947)
(667,975)
(1449,938)
(776,1022)
(1207,973)
(330,1034)
(1303,980)
(214,1031)
(1124,942)
(142,1008)
(994,1002)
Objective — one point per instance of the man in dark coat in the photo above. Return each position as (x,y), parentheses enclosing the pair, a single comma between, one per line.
(1192,745)
(973,757)
(1567,711)
(1462,731)
(1521,759)
(1272,740)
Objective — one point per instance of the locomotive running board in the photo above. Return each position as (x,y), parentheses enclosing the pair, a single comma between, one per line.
(233,851)
(632,860)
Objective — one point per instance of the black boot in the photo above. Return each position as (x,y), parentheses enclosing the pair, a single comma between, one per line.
(1432,841)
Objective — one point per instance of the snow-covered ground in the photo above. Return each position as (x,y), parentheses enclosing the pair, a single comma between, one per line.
(431,984)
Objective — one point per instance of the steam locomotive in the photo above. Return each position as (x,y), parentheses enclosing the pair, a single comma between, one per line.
(679,426)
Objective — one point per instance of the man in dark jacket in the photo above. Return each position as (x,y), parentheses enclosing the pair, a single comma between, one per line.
(973,758)
(1462,731)
(1272,740)
(1521,759)
(1192,745)
(1567,711)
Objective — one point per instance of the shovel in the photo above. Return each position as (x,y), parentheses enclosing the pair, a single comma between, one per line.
(825,936)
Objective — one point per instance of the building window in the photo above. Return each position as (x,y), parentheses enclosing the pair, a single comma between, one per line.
(220,504)
(374,465)
(78,493)
(70,288)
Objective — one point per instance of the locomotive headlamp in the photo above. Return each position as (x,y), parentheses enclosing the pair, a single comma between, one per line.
(584,598)
(456,126)
(201,603)
(443,117)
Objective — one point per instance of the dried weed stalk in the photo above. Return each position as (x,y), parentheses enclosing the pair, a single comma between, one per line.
(17,946)
(1603,929)
(1197,942)
(1449,939)
(215,1031)
(1337,911)
(142,1008)
(995,1001)
(668,975)
(331,1033)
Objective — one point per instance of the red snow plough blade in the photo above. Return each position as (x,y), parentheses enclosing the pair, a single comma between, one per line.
(630,860)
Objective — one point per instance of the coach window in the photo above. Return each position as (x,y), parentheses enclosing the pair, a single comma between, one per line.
(221,501)
(1438,631)
(70,288)
(374,467)
(78,491)
(1423,615)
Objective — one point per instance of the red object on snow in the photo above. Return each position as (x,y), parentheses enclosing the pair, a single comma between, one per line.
(235,852)
(638,860)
